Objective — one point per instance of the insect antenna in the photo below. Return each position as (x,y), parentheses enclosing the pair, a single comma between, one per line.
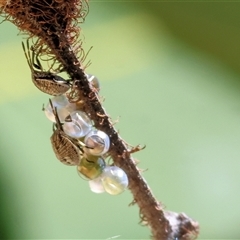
(27,54)
(54,110)
(38,64)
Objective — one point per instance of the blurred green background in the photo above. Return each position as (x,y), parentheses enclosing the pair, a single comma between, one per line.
(171,71)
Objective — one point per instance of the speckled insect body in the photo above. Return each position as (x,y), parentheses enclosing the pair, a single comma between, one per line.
(45,81)
(67,150)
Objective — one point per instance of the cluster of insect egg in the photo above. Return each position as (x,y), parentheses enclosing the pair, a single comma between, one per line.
(76,142)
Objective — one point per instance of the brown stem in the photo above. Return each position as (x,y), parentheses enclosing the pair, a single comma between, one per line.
(151,211)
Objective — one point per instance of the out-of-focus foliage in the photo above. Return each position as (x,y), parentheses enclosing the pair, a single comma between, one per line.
(169,71)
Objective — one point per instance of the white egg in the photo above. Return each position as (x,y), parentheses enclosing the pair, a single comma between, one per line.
(114,180)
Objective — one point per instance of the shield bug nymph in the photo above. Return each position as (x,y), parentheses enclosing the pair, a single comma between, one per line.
(45,81)
(68,150)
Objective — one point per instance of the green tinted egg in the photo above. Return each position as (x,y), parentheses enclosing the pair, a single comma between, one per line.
(114,180)
(91,166)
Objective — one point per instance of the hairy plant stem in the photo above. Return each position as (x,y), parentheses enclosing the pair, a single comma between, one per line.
(151,211)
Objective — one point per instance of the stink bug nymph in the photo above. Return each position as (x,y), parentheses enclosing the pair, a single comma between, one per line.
(68,150)
(45,81)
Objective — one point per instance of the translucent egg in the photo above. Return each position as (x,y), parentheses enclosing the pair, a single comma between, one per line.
(96,185)
(71,107)
(98,143)
(91,166)
(114,180)
(77,124)
(94,81)
(60,102)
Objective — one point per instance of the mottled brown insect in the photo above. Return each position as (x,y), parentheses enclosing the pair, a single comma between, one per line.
(45,81)
(67,150)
